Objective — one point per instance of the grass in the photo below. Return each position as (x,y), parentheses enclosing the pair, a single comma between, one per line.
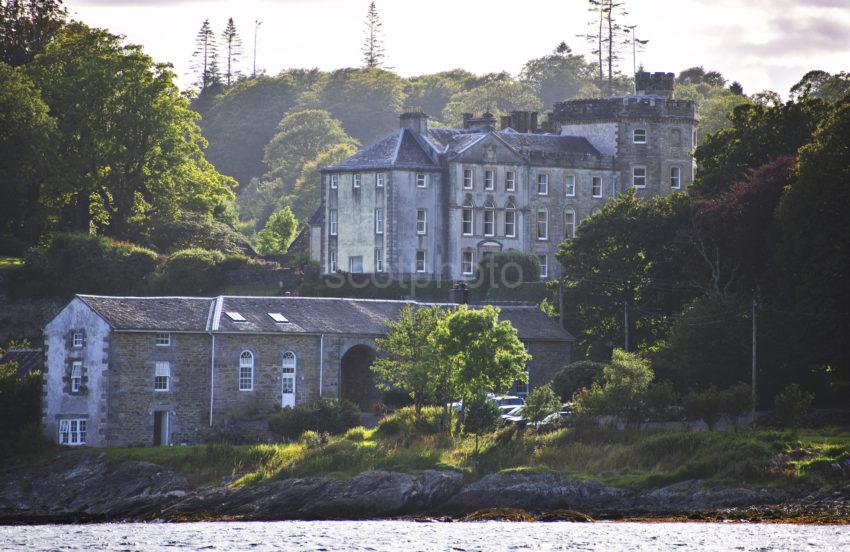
(11,262)
(628,459)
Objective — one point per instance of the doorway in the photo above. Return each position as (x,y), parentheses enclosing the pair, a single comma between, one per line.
(160,428)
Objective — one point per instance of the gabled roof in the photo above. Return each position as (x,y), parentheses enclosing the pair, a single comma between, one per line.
(190,314)
(549,143)
(399,150)
(29,360)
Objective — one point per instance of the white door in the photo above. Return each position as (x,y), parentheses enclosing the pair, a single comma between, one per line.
(287,380)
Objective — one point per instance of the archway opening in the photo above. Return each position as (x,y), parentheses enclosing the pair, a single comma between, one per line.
(357,381)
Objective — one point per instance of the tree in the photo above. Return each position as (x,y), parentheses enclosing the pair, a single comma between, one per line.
(373,42)
(698,75)
(821,85)
(482,416)
(608,37)
(576,376)
(507,269)
(622,392)
(233,52)
(431,93)
(26,27)
(205,57)
(541,403)
(792,404)
(559,76)
(705,405)
(130,146)
(278,233)
(306,197)
(498,97)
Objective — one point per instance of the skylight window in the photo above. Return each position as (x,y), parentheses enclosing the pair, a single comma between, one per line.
(277,317)
(235,316)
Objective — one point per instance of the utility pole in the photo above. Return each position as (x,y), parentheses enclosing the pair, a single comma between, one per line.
(755,336)
(257,24)
(635,42)
(626,318)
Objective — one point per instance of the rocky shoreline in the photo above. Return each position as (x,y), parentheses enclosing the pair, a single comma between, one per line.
(90,489)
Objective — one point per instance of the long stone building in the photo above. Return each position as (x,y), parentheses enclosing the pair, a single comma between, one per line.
(123,371)
(433,201)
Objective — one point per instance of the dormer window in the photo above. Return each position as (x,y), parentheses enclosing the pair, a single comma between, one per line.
(78,340)
(277,317)
(235,316)
(639,136)
(163,340)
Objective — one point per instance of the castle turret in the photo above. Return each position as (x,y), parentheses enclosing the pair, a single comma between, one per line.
(654,84)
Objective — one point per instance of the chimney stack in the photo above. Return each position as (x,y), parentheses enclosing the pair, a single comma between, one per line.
(414,120)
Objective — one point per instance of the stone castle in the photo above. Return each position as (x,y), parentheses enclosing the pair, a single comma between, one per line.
(433,201)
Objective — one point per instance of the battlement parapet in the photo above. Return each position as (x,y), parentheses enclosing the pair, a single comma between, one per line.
(610,109)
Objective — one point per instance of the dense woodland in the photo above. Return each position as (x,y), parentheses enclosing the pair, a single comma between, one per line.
(116,181)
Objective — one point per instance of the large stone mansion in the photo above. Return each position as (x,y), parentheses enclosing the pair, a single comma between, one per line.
(432,201)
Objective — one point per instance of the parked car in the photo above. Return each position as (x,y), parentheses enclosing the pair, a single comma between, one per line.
(513,416)
(507,400)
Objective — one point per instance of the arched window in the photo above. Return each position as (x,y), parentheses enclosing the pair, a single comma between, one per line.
(467,221)
(569,223)
(489,219)
(246,371)
(510,220)
(287,380)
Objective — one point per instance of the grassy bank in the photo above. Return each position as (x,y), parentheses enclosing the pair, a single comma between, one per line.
(628,459)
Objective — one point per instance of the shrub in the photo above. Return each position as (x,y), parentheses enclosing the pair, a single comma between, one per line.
(576,375)
(622,392)
(737,401)
(406,424)
(481,415)
(541,403)
(358,433)
(278,233)
(705,405)
(194,230)
(792,404)
(191,272)
(662,402)
(324,416)
(507,269)
(20,409)
(312,439)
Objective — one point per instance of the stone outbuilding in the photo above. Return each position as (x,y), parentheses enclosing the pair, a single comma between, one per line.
(122,371)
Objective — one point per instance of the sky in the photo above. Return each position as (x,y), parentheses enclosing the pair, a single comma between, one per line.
(764,44)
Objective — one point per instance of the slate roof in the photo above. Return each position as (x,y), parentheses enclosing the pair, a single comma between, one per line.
(550,143)
(29,360)
(309,315)
(399,150)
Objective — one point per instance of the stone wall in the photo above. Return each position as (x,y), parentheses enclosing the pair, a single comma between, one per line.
(547,358)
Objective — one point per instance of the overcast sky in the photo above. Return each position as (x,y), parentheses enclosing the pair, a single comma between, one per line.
(764,44)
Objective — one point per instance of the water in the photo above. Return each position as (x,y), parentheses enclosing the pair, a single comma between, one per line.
(403,536)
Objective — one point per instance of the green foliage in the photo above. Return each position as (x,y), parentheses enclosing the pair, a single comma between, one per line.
(432,92)
(575,376)
(622,391)
(560,76)
(541,403)
(76,263)
(706,405)
(27,27)
(481,415)
(306,197)
(821,85)
(507,269)
(194,230)
(792,404)
(498,97)
(20,411)
(407,423)
(193,272)
(324,416)
(737,401)
(277,235)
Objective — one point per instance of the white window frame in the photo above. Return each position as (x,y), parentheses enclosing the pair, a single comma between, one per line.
(569,223)
(421,180)
(510,181)
(417,266)
(332,261)
(246,371)
(543,184)
(334,181)
(351,262)
(379,259)
(489,213)
(675,177)
(545,223)
(357,179)
(379,221)
(288,371)
(421,222)
(162,377)
(379,180)
(468,179)
(510,212)
(635,176)
(78,340)
(72,431)
(543,259)
(163,340)
(596,186)
(489,179)
(467,210)
(570,185)
(639,136)
(333,222)
(467,262)
(76,379)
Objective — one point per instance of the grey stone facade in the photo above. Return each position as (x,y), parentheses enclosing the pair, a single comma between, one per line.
(588,151)
(201,341)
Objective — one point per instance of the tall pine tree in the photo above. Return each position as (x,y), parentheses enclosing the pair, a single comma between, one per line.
(608,36)
(373,41)
(232,44)
(205,58)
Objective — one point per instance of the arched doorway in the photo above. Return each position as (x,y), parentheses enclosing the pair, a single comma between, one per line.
(357,383)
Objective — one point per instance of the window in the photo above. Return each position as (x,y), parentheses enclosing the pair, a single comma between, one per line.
(334,181)
(596,186)
(76,376)
(332,223)
(675,178)
(544,265)
(163,340)
(510,221)
(235,316)
(542,184)
(421,221)
(79,340)
(639,177)
(355,264)
(246,371)
(379,259)
(639,136)
(357,177)
(467,220)
(542,224)
(510,181)
(277,317)
(570,185)
(162,373)
(288,371)
(489,180)
(379,180)
(421,180)
(569,223)
(420,260)
(467,263)
(72,432)
(332,261)
(379,221)
(676,137)
(489,221)
(467,179)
